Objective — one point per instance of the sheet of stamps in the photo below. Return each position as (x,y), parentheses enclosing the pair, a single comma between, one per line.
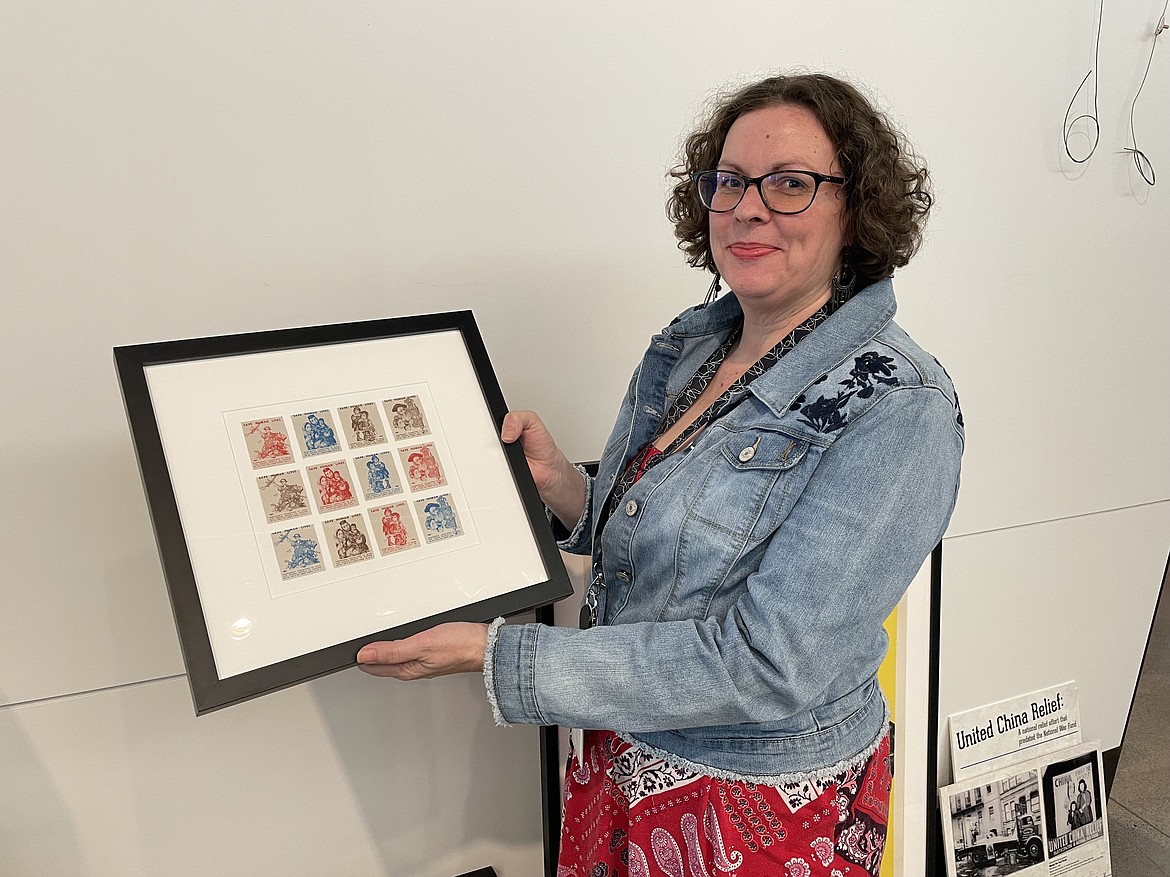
(362,424)
(298,552)
(349,541)
(397,528)
(347,485)
(332,486)
(407,419)
(316,433)
(439,519)
(283,495)
(379,476)
(268,442)
(421,463)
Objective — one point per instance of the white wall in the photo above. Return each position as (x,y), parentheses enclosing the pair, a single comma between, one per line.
(171,170)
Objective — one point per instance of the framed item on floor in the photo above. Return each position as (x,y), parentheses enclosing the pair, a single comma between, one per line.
(316,489)
(909,678)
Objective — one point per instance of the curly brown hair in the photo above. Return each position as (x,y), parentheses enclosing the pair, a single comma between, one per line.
(887,196)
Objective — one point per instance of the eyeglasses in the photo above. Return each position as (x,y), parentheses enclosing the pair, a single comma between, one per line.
(784,192)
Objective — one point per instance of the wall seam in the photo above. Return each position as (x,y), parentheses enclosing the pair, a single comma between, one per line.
(1139,505)
(36,701)
(104,689)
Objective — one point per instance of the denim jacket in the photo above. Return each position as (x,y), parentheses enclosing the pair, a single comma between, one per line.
(746,579)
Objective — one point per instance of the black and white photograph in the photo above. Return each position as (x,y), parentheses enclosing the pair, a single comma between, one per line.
(996,826)
(1042,816)
(1073,803)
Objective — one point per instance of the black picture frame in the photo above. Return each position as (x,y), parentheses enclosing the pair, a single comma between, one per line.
(138,366)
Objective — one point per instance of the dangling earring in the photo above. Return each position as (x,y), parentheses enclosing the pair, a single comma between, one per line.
(713,290)
(842,284)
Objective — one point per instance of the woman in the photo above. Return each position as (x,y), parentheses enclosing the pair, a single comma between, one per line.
(1084,802)
(784,460)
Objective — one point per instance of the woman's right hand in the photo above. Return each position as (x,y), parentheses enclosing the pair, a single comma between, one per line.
(560,486)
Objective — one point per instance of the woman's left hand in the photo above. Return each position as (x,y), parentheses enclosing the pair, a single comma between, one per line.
(455,647)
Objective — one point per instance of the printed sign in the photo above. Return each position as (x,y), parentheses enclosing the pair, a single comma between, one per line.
(1014,730)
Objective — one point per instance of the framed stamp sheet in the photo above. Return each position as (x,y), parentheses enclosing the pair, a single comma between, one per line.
(316,489)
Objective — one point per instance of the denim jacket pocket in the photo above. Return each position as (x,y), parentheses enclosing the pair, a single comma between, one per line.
(743,490)
(739,493)
(763,449)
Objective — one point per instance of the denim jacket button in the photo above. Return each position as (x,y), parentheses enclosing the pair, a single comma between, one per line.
(631,508)
(746,454)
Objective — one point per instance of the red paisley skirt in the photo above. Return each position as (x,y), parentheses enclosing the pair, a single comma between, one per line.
(628,813)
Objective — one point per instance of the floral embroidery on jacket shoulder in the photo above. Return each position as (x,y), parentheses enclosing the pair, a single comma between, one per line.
(870,366)
(824,415)
(869,370)
(958,410)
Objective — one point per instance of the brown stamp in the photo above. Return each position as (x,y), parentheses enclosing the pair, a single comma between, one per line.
(283,495)
(439,519)
(406,417)
(298,553)
(332,486)
(397,527)
(379,476)
(422,466)
(316,433)
(349,542)
(362,425)
(267,442)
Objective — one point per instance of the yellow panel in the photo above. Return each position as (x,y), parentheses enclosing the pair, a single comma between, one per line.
(887,679)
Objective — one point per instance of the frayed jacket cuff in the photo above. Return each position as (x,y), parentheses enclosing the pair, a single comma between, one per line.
(509,673)
(489,670)
(575,541)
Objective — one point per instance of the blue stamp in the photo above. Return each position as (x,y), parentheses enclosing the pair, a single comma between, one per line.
(439,519)
(379,475)
(298,552)
(316,433)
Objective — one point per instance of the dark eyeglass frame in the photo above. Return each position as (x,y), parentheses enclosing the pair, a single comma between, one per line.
(757,181)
